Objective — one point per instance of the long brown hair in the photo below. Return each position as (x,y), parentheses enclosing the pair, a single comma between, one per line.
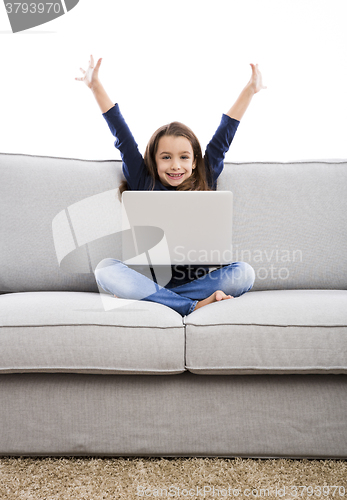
(199,180)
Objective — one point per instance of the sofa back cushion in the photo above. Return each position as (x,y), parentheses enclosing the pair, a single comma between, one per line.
(50,209)
(61,216)
(290,222)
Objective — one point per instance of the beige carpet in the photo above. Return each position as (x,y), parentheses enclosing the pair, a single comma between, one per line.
(190,478)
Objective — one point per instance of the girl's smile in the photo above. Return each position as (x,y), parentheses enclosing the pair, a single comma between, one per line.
(175,176)
(174,159)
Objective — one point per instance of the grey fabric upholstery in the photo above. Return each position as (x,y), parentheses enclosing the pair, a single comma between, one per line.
(35,194)
(263,375)
(74,332)
(290,222)
(58,211)
(175,415)
(281,331)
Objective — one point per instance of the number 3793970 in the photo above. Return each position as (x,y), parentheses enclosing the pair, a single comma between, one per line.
(32,8)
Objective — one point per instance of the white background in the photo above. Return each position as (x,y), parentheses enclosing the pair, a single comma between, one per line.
(179,60)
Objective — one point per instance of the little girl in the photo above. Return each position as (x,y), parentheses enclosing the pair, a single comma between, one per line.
(173,161)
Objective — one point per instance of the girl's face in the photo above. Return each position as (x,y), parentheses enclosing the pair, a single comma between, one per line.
(174,159)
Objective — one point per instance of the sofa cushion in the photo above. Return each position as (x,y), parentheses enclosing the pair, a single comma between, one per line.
(50,207)
(290,221)
(82,332)
(282,331)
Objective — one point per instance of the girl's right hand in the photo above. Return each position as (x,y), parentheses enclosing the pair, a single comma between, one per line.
(91,76)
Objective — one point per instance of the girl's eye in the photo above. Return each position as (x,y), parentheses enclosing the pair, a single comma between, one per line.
(184,157)
(166,157)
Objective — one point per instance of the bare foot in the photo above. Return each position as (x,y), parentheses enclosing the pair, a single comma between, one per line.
(116,296)
(215,297)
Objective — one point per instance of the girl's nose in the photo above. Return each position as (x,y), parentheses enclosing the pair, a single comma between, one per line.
(176,165)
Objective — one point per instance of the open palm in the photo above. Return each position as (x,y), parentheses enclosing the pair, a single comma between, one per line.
(91,76)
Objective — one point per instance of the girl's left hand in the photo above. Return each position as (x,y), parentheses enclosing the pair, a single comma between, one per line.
(256,81)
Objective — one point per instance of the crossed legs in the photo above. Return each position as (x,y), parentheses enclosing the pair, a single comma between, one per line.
(232,280)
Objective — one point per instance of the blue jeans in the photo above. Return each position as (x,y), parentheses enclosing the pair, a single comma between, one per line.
(117,278)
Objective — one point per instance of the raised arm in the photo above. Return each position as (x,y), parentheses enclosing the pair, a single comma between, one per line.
(91,79)
(254,85)
(134,169)
(223,137)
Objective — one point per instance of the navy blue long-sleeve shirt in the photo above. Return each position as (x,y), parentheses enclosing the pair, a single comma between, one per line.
(134,168)
(138,178)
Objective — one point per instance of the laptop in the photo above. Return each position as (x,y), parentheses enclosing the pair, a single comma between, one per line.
(177,227)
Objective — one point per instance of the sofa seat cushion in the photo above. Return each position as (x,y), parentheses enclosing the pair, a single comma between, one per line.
(83,332)
(282,331)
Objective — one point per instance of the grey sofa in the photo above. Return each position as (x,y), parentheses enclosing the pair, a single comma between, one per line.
(83,373)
